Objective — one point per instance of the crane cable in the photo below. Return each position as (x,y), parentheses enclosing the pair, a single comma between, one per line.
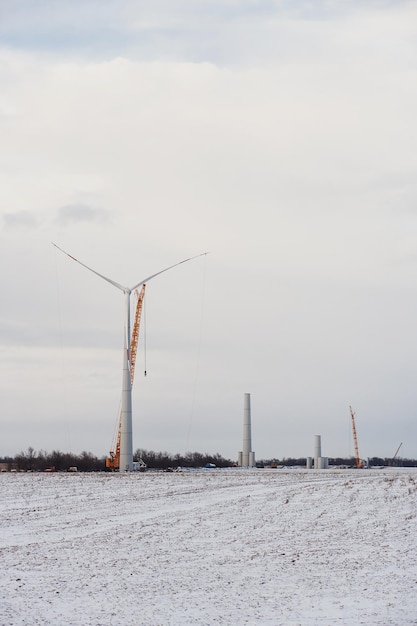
(63,365)
(144,336)
(198,354)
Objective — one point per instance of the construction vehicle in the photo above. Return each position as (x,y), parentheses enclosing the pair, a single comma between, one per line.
(113,460)
(359,462)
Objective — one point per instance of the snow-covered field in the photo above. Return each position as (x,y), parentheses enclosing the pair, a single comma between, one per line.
(208,547)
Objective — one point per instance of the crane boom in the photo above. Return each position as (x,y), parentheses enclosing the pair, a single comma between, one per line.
(395,455)
(359,463)
(135,331)
(113,460)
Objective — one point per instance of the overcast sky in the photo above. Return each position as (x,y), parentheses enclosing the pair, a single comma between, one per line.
(279,136)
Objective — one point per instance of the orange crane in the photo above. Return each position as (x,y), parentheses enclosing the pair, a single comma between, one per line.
(112,461)
(359,463)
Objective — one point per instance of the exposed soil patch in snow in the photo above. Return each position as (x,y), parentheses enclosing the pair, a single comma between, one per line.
(209,547)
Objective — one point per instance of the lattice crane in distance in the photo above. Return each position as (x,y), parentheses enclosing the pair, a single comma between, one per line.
(395,455)
(113,460)
(359,463)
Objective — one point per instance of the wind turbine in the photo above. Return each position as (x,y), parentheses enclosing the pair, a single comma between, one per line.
(126,439)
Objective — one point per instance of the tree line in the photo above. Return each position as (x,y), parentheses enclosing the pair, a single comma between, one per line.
(32,461)
(374,461)
(165,460)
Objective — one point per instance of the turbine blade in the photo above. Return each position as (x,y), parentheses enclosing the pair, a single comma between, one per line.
(109,280)
(145,280)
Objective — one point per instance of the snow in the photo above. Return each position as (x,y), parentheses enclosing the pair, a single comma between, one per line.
(290,547)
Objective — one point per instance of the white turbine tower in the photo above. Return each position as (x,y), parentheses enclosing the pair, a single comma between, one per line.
(126,439)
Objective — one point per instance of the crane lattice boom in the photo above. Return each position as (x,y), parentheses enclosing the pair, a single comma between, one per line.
(135,332)
(113,460)
(359,463)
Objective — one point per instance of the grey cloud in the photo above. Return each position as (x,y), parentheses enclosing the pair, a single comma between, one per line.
(76,213)
(22,220)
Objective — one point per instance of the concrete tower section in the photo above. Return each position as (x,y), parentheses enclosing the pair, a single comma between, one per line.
(320,462)
(246,458)
(317,450)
